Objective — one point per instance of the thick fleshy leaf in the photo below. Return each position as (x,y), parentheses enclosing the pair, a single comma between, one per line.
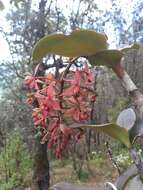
(133,46)
(106,57)
(78,43)
(110,57)
(110,129)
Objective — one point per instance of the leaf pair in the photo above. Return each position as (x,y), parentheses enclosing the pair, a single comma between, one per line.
(80,43)
(93,46)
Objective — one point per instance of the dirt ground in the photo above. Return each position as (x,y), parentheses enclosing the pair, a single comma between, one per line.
(97,177)
(100,173)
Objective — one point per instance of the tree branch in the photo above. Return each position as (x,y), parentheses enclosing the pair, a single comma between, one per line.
(124,77)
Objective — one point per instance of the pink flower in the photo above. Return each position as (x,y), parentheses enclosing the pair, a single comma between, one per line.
(88,75)
(31,82)
(77,114)
(75,85)
(48,101)
(66,131)
(38,118)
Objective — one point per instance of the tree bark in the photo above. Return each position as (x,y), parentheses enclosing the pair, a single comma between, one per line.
(41,175)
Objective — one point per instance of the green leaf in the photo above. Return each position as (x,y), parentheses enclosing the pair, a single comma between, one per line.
(1,6)
(133,46)
(110,57)
(106,57)
(78,43)
(110,129)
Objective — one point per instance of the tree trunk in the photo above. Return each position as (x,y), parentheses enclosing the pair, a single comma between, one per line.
(41,175)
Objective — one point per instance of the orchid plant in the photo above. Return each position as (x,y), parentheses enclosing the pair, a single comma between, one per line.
(65,104)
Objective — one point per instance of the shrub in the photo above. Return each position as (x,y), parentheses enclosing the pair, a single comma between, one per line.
(15,161)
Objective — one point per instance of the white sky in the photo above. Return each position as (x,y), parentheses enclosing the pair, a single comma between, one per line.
(105,4)
(3,44)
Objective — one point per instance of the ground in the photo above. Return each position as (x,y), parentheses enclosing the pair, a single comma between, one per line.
(99,174)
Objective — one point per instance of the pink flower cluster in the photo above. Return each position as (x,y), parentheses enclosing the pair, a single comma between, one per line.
(60,103)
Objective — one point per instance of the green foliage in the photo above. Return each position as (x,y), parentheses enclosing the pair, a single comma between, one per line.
(15,161)
(106,57)
(122,158)
(78,43)
(112,130)
(110,57)
(133,46)
(97,158)
(83,175)
(120,104)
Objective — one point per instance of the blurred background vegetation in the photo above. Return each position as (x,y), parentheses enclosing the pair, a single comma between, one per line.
(20,151)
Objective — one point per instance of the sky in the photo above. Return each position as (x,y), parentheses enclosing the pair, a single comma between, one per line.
(3,44)
(65,6)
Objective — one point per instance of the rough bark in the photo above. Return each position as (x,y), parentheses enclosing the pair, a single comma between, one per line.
(41,176)
(40,166)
